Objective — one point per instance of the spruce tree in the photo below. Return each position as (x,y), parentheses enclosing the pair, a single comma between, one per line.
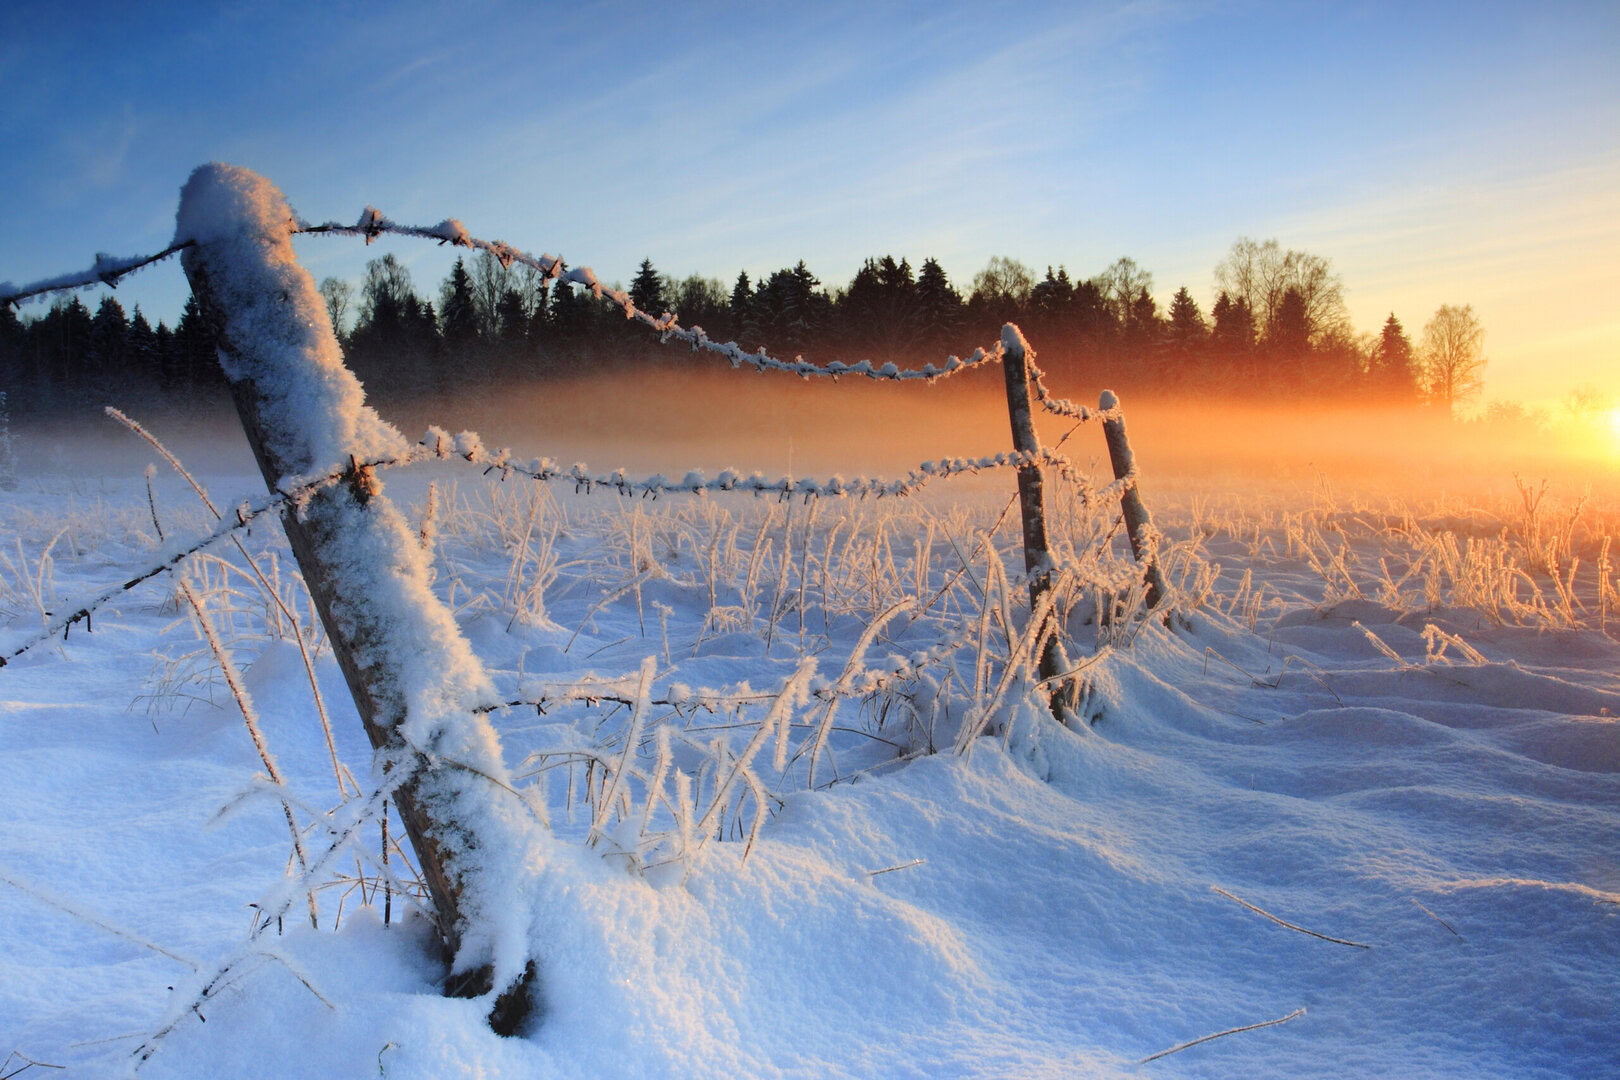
(1187,326)
(1394,364)
(647,290)
(939,306)
(108,360)
(458,315)
(145,361)
(1051,304)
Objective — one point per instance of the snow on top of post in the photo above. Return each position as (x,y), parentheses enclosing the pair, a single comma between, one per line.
(1012,340)
(242,228)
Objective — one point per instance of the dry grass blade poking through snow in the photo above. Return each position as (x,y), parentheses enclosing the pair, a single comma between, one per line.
(1220,1034)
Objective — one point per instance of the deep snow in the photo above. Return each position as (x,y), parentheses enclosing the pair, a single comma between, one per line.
(1042,906)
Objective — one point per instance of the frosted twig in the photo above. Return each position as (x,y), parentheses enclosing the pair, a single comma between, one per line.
(94,920)
(892,869)
(1229,1031)
(250,717)
(29,1063)
(294,971)
(258,574)
(1437,918)
(281,900)
(632,737)
(1289,925)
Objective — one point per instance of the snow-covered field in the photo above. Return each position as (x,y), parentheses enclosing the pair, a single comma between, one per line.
(1382,723)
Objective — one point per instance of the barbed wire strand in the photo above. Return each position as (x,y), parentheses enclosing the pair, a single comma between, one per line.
(467,446)
(83,608)
(109,270)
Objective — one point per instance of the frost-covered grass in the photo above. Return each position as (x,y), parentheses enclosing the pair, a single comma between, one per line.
(810,818)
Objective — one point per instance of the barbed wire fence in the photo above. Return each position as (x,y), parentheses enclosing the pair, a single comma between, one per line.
(419,778)
(1010,350)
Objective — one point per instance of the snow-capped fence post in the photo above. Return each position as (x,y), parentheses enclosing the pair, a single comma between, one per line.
(1038,561)
(1138,525)
(414,678)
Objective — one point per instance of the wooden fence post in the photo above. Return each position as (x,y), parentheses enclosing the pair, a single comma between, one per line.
(1138,525)
(1038,561)
(299,406)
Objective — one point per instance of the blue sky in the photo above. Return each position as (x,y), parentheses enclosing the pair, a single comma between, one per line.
(1436,153)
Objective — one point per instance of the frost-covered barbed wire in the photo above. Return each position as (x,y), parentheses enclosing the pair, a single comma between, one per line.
(107,270)
(688,700)
(1063,406)
(468,446)
(293,492)
(374,223)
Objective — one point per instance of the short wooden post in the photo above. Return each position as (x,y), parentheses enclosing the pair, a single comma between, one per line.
(298,405)
(1138,525)
(1038,561)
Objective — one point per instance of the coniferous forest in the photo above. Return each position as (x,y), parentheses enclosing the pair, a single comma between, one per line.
(1278,327)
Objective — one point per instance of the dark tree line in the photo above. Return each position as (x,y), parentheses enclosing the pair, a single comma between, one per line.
(1278,327)
(70,361)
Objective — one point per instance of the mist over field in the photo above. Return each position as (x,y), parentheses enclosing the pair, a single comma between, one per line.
(698,414)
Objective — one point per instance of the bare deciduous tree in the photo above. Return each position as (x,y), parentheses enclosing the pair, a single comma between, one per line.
(1263,273)
(1453,355)
(1122,285)
(1003,282)
(337,293)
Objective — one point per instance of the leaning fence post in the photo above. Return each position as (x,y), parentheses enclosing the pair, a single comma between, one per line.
(414,678)
(1138,525)
(1038,561)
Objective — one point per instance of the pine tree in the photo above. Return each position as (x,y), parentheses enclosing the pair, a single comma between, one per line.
(514,322)
(1187,326)
(1090,316)
(196,355)
(702,301)
(395,343)
(1394,373)
(647,290)
(569,328)
(1288,340)
(1233,335)
(62,343)
(806,310)
(1051,304)
(108,360)
(859,308)
(744,312)
(1144,328)
(458,316)
(145,359)
(939,306)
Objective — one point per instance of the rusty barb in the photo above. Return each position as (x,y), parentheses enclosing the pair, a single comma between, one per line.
(361,480)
